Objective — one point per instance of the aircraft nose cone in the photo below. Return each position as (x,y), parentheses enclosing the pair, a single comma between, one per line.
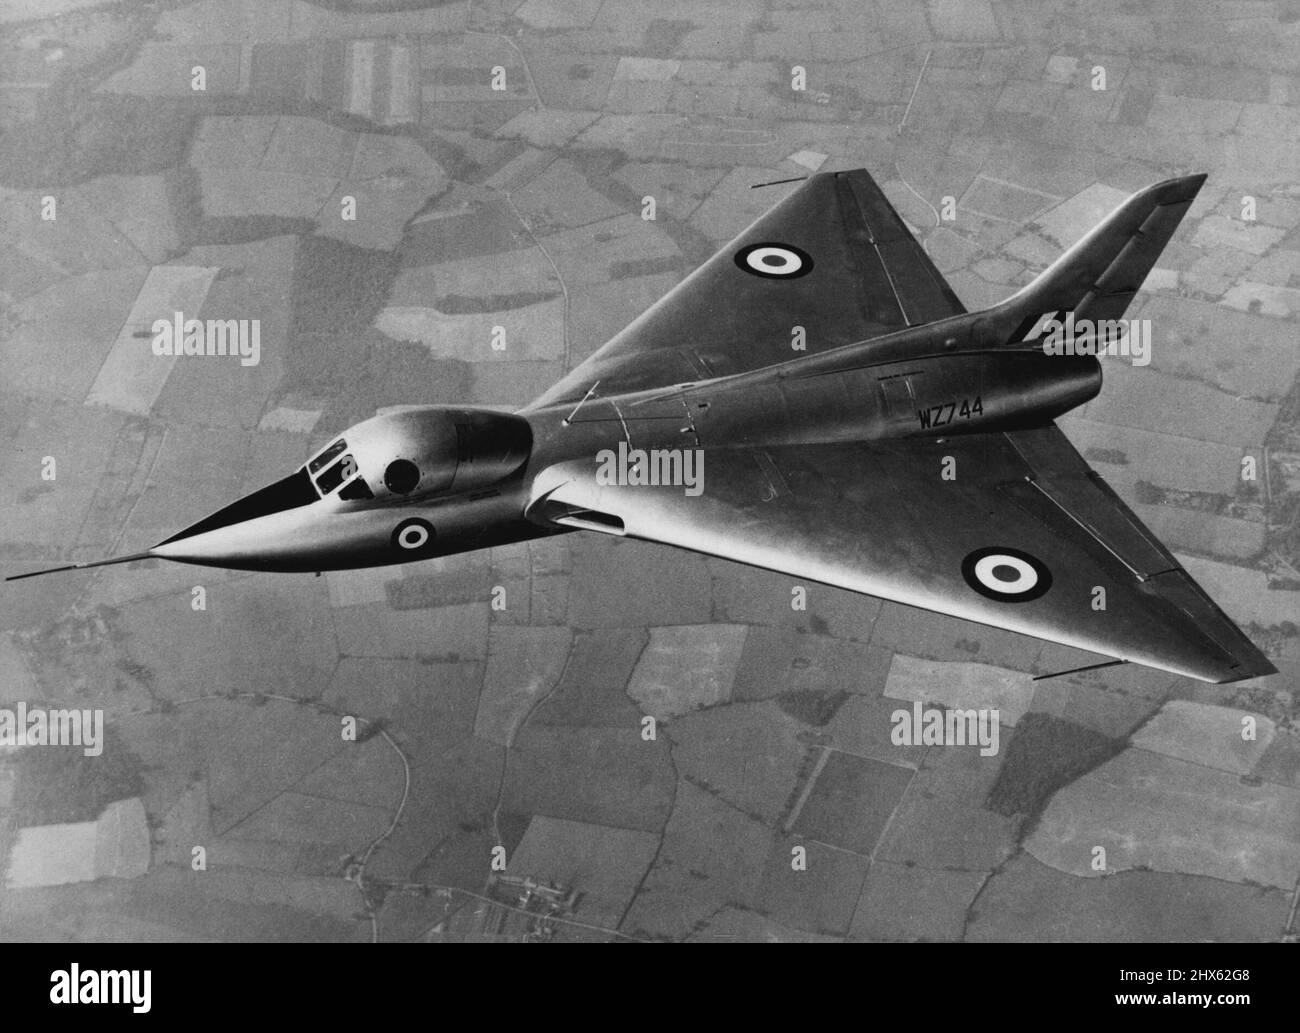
(289,493)
(233,536)
(226,536)
(226,545)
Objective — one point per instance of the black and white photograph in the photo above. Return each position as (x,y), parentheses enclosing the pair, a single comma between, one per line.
(594,471)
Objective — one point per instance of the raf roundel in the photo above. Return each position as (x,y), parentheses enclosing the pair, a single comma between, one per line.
(774,261)
(1006,575)
(413,536)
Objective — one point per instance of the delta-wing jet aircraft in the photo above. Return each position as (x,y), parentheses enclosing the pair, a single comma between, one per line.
(842,419)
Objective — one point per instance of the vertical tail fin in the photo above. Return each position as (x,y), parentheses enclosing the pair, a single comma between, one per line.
(1097,278)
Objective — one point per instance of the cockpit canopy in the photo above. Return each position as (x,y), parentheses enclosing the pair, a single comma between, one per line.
(421,452)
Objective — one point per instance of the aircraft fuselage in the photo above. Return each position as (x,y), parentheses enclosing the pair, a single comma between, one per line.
(442,481)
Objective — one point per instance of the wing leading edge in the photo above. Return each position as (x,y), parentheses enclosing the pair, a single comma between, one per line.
(1023,538)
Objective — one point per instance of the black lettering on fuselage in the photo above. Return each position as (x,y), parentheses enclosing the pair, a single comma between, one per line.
(944,413)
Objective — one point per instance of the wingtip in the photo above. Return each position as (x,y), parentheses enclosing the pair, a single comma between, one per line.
(1255,667)
(1179,188)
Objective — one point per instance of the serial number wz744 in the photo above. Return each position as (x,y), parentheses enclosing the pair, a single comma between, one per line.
(944,414)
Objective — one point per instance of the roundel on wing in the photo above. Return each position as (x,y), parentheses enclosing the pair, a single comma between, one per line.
(1006,575)
(414,537)
(774,260)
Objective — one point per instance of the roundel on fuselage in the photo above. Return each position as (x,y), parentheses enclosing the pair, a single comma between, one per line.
(414,537)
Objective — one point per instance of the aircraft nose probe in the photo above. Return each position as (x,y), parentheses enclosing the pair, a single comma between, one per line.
(287,493)
(150,554)
(171,549)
